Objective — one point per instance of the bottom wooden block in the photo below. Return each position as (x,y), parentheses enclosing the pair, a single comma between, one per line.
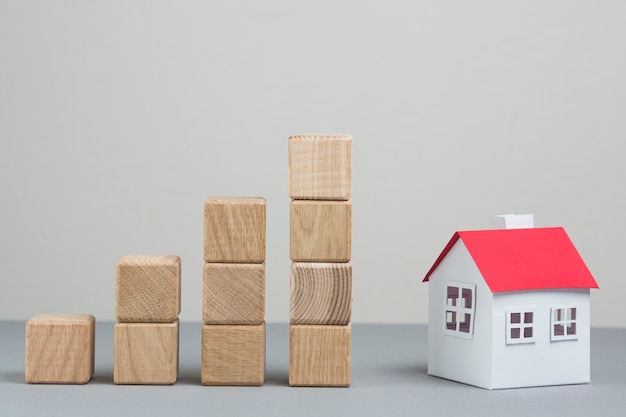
(145,353)
(233,355)
(319,355)
(60,349)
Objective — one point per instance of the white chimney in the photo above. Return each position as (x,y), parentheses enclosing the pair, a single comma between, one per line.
(511,221)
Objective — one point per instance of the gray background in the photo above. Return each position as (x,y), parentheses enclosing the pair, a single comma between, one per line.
(118,118)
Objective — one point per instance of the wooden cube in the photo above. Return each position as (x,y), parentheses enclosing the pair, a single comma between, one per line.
(321,293)
(319,355)
(147,289)
(233,293)
(234,230)
(321,231)
(320,167)
(60,348)
(233,355)
(145,353)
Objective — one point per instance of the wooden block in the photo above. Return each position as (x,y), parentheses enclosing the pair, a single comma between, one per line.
(319,355)
(321,293)
(145,353)
(234,229)
(147,289)
(60,348)
(233,355)
(320,167)
(233,293)
(320,231)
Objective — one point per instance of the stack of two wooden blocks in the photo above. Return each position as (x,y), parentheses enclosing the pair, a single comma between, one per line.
(320,248)
(233,298)
(147,305)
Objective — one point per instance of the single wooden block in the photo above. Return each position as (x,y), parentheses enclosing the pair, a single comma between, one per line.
(60,348)
(321,293)
(234,229)
(145,353)
(233,355)
(233,293)
(321,231)
(320,167)
(147,289)
(319,355)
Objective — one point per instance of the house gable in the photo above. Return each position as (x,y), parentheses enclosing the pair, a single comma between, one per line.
(459,358)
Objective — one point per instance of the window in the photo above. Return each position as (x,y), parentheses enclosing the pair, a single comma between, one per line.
(459,309)
(563,323)
(520,326)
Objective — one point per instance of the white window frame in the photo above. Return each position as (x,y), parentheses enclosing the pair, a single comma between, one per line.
(565,322)
(459,309)
(523,324)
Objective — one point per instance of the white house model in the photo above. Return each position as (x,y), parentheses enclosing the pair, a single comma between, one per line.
(510,308)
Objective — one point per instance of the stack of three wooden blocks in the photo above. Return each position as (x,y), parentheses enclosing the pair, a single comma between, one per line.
(320,251)
(233,297)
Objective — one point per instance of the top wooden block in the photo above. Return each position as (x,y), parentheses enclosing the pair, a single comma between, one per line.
(234,229)
(320,167)
(147,289)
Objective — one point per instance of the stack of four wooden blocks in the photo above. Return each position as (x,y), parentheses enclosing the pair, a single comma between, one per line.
(320,250)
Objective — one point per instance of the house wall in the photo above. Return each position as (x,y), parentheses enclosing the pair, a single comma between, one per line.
(543,362)
(458,359)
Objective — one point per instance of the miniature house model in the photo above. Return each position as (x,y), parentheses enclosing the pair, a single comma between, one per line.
(509,307)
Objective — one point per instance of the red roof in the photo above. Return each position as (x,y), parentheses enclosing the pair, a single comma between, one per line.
(523,259)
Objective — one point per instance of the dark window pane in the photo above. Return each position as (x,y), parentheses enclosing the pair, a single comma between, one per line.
(464,326)
(450,320)
(571,329)
(453,292)
(467,297)
(515,333)
(516,318)
(573,314)
(558,314)
(559,330)
(528,317)
(528,332)
(452,295)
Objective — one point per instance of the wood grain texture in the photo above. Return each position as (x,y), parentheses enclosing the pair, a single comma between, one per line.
(321,293)
(319,355)
(145,353)
(320,167)
(234,229)
(233,355)
(147,289)
(233,293)
(60,349)
(320,231)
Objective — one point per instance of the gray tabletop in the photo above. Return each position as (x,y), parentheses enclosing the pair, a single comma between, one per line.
(388,378)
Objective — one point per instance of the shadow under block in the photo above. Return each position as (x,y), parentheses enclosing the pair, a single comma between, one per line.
(145,353)
(319,355)
(234,229)
(233,355)
(60,349)
(147,289)
(320,167)
(321,293)
(320,231)
(233,293)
